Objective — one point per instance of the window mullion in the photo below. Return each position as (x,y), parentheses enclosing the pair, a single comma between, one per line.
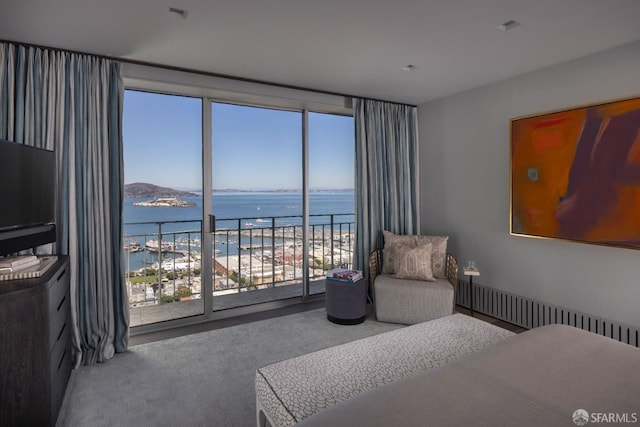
(305,204)
(207,207)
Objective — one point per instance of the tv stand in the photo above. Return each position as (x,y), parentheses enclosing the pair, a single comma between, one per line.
(35,346)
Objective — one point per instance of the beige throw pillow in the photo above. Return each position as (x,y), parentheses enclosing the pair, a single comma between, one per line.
(391,242)
(414,262)
(438,253)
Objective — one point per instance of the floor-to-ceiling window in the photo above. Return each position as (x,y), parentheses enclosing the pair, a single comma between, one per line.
(331,184)
(162,205)
(193,164)
(257,202)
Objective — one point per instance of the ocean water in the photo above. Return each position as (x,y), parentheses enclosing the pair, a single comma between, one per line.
(249,207)
(247,210)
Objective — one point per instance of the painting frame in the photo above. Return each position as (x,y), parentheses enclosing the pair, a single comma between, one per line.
(574,174)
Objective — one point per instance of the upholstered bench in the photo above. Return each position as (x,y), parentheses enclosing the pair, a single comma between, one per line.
(292,390)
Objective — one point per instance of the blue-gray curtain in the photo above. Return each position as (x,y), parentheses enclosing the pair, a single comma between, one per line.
(386,174)
(72,104)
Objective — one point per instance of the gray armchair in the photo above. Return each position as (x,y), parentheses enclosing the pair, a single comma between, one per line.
(412,301)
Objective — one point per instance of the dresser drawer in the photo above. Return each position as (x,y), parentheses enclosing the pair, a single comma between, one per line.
(58,291)
(60,353)
(59,323)
(59,383)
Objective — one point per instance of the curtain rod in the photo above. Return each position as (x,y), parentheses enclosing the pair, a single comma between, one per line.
(200,72)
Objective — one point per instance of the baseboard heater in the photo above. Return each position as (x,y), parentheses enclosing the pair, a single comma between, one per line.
(529,313)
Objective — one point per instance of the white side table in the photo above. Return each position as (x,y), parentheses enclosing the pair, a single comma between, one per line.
(471,272)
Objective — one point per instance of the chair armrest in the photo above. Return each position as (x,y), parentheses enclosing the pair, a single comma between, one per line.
(452,275)
(375,264)
(375,268)
(451,267)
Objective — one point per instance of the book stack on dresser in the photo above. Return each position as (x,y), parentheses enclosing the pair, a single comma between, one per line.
(17,263)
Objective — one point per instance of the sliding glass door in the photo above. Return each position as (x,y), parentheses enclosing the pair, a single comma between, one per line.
(230,205)
(331,197)
(162,205)
(257,204)
(261,247)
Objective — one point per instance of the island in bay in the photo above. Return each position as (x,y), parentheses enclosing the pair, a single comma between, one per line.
(165,202)
(160,196)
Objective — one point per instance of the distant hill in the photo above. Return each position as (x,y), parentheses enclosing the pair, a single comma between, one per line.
(142,189)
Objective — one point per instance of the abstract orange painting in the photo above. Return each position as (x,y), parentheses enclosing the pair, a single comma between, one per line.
(575,174)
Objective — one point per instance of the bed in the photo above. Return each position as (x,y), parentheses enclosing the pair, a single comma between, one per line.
(289,391)
(541,377)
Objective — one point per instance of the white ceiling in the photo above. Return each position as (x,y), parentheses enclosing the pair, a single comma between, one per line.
(354,47)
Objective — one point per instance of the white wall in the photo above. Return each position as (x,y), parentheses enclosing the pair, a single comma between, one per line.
(464,187)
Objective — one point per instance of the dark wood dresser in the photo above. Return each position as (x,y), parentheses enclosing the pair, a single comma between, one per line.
(35,347)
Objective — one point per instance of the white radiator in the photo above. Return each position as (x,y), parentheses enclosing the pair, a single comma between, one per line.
(529,313)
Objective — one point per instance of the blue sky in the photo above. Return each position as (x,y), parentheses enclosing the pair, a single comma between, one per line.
(253,148)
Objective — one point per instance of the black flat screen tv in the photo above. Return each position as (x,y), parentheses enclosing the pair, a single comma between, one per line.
(27,197)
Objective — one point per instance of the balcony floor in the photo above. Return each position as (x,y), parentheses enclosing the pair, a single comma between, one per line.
(176,310)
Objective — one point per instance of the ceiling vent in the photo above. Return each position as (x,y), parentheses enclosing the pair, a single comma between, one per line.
(509,25)
(181,12)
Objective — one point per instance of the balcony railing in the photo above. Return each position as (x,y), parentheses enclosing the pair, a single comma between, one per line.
(164,257)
